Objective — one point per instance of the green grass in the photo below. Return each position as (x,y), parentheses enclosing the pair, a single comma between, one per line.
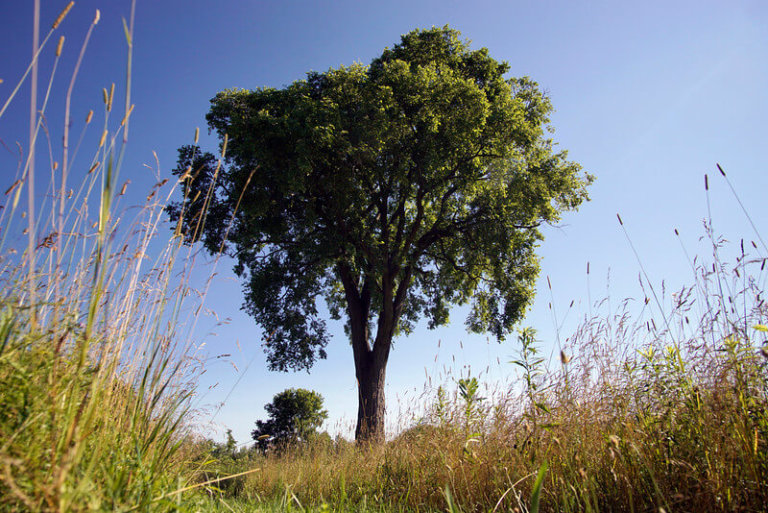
(95,371)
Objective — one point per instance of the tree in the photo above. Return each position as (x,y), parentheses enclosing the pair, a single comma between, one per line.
(231,444)
(227,449)
(392,191)
(293,414)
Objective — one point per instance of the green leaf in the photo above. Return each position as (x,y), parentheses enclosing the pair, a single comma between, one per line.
(452,507)
(537,487)
(128,37)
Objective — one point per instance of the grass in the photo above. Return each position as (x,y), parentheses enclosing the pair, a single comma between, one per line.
(660,405)
(647,410)
(96,373)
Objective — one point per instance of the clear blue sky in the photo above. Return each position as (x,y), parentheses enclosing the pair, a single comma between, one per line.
(648,97)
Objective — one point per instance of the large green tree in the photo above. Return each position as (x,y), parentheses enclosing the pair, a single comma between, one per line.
(391,191)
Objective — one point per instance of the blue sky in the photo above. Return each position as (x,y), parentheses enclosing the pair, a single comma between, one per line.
(648,97)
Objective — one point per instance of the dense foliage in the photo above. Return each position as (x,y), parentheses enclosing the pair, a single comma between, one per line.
(294,414)
(393,191)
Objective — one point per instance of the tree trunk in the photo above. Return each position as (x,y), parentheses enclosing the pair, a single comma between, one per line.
(370,359)
(371,405)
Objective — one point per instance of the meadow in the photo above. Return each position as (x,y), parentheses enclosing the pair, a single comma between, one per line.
(659,403)
(642,413)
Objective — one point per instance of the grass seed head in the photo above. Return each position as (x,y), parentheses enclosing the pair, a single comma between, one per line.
(62,15)
(111,97)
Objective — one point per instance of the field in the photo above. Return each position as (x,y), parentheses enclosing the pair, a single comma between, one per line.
(661,407)
(635,418)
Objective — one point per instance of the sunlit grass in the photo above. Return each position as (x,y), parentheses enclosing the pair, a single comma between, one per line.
(647,410)
(96,373)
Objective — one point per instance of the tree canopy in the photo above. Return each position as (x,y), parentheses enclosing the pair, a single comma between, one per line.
(293,414)
(392,191)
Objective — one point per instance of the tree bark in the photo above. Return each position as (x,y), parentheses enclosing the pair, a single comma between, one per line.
(371,371)
(371,404)
(371,359)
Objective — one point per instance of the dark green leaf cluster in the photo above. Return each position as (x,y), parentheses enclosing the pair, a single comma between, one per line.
(293,414)
(396,189)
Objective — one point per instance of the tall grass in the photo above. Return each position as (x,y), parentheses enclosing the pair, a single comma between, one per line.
(96,372)
(660,405)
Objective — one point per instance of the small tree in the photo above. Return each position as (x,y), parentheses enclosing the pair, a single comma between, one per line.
(227,449)
(231,444)
(294,414)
